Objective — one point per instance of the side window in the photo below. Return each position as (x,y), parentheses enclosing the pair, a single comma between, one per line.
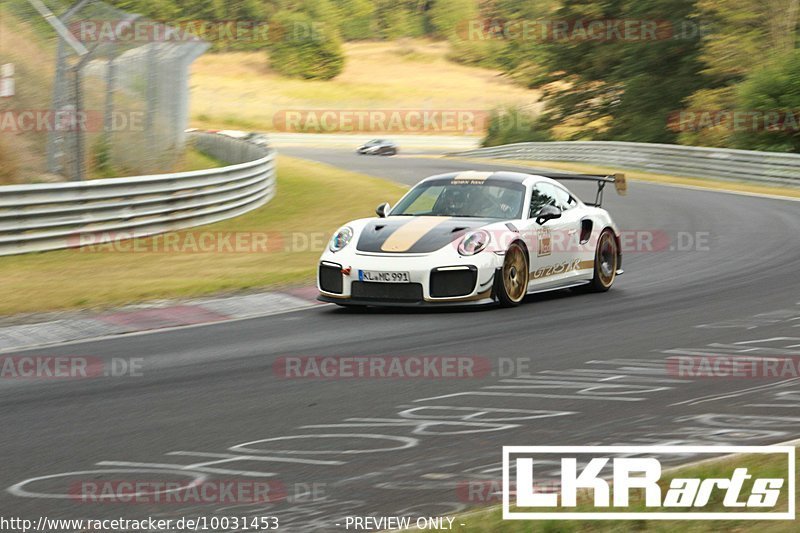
(542,194)
(564,200)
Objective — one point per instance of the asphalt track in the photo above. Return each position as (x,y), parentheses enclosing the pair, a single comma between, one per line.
(591,370)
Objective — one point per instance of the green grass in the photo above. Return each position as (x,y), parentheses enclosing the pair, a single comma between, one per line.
(771,466)
(312,201)
(192,160)
(197,160)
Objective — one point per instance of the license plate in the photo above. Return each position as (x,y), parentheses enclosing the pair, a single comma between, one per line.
(383,277)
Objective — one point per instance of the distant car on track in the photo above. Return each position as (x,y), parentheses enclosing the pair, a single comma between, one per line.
(251,136)
(233,134)
(257,138)
(378,147)
(474,238)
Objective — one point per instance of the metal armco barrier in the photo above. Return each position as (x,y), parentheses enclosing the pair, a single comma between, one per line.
(51,216)
(767,167)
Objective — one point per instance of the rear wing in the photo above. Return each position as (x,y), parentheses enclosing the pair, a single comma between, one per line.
(620,184)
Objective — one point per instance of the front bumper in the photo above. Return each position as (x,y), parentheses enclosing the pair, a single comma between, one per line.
(433,281)
(488,300)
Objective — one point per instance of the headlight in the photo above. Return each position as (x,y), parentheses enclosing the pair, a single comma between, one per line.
(473,242)
(341,238)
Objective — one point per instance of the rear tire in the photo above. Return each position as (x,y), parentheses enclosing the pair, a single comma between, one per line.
(606,258)
(511,282)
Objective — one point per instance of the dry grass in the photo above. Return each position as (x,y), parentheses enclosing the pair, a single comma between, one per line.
(8,162)
(312,201)
(33,61)
(239,90)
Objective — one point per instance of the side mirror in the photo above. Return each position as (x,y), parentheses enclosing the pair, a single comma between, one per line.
(383,209)
(546,213)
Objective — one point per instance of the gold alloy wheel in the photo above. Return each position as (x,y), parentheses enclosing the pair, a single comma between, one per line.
(515,273)
(607,259)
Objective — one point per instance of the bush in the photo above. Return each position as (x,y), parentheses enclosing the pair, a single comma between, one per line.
(513,125)
(447,17)
(357,20)
(394,20)
(303,49)
(476,53)
(719,136)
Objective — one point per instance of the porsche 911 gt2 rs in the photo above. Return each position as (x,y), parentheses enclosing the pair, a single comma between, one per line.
(475,238)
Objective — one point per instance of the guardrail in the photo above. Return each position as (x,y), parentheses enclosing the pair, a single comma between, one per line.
(767,167)
(51,216)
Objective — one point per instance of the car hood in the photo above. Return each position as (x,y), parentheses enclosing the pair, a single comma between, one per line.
(421,234)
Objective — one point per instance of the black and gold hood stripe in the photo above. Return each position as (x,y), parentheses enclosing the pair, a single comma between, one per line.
(423,234)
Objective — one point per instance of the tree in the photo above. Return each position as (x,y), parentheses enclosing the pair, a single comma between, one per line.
(773,89)
(739,34)
(513,125)
(620,86)
(737,37)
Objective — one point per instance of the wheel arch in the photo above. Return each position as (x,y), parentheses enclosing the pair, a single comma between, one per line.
(524,248)
(615,233)
(499,269)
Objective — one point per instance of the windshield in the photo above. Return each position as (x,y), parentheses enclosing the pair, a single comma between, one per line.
(453,199)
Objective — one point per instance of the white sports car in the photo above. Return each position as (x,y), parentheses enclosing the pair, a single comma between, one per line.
(474,238)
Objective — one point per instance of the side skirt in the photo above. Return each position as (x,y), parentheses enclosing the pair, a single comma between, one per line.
(567,285)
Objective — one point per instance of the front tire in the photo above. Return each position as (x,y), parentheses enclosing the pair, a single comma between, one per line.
(606,258)
(511,285)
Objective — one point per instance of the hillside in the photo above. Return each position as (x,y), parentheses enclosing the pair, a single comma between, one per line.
(239,90)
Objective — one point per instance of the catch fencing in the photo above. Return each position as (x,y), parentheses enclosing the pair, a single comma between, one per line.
(130,92)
